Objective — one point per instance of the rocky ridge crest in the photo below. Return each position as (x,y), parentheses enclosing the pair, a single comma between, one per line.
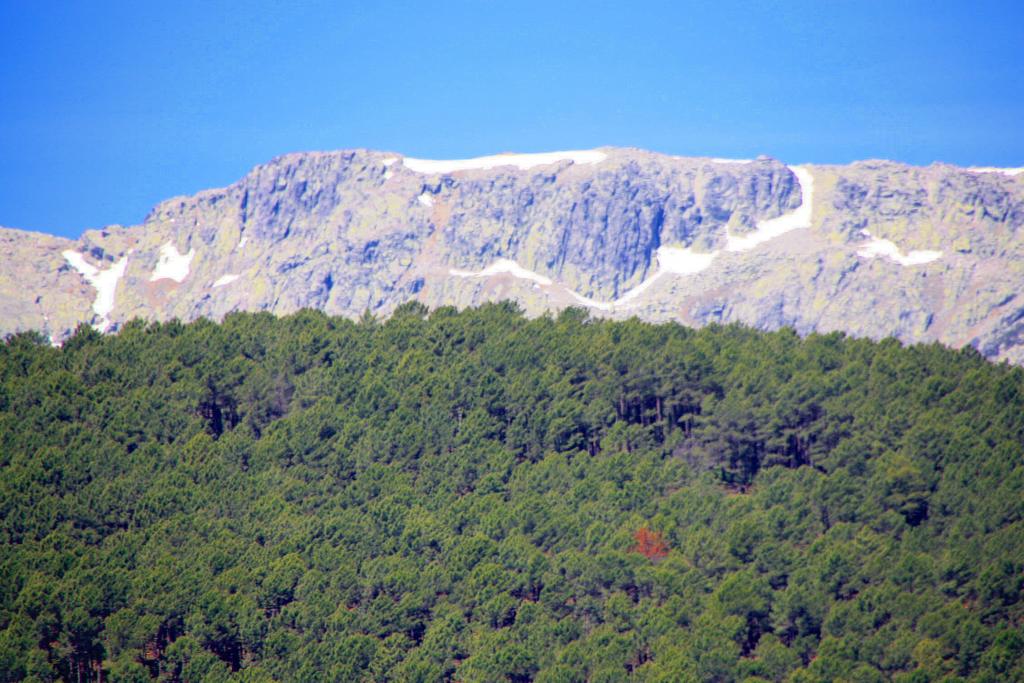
(874,248)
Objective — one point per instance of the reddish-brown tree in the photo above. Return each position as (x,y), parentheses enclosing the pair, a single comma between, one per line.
(650,544)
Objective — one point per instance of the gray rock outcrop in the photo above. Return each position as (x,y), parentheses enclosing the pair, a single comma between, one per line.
(873,248)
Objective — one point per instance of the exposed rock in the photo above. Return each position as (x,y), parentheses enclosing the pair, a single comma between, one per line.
(920,253)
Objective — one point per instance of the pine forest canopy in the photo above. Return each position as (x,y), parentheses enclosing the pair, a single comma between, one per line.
(479,496)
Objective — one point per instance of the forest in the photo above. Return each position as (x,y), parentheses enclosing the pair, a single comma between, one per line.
(479,496)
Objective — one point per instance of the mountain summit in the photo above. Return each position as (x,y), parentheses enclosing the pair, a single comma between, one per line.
(873,248)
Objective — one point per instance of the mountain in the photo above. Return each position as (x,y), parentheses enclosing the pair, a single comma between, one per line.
(873,248)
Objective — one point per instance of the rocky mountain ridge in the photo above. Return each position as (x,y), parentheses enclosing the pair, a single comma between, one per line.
(874,248)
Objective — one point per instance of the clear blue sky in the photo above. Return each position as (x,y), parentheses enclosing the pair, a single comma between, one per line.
(108,107)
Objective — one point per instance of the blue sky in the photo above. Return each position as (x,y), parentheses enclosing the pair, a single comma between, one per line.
(108,107)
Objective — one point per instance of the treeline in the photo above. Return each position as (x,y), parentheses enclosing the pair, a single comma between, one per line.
(475,496)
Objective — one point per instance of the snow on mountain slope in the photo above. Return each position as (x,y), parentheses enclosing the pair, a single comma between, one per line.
(622,232)
(885,248)
(172,264)
(775,227)
(105,281)
(521,161)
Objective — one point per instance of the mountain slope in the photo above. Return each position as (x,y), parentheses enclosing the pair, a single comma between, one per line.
(873,248)
(473,496)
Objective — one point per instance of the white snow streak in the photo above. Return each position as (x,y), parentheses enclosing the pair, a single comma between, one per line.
(426,199)
(671,260)
(105,282)
(878,247)
(241,242)
(172,265)
(592,303)
(225,280)
(636,291)
(389,161)
(520,161)
(504,266)
(992,169)
(683,261)
(770,229)
(719,160)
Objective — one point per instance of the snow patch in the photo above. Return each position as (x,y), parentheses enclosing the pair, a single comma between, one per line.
(520,161)
(172,265)
(390,160)
(388,175)
(225,280)
(794,220)
(241,242)
(992,169)
(878,247)
(719,160)
(105,282)
(504,266)
(683,261)
(426,199)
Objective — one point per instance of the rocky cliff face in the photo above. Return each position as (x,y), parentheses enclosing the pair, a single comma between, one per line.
(874,248)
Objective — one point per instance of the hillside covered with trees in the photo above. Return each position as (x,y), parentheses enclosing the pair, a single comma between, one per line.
(476,496)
